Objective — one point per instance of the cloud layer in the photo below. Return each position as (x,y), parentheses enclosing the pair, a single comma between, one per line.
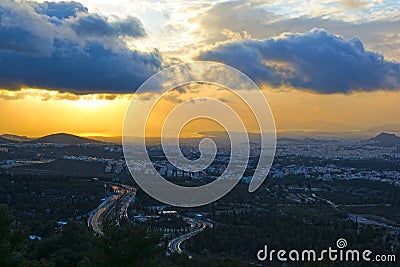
(315,60)
(95,25)
(239,19)
(60,10)
(63,46)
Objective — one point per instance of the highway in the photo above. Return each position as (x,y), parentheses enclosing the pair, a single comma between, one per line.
(175,245)
(120,202)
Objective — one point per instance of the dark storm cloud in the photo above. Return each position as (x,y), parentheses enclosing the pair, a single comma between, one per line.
(21,31)
(93,69)
(60,10)
(81,53)
(92,25)
(95,25)
(131,26)
(254,18)
(316,60)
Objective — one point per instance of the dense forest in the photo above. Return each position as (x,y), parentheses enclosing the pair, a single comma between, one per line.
(76,245)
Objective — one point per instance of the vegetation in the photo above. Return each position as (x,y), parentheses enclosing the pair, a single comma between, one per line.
(282,214)
(242,232)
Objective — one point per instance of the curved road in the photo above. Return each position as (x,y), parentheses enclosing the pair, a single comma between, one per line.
(121,201)
(175,245)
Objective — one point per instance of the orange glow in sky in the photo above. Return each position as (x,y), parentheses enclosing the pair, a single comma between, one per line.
(40,112)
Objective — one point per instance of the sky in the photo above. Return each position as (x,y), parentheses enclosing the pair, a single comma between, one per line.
(74,66)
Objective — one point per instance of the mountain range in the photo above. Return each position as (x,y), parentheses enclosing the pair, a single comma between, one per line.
(382,139)
(18,138)
(58,138)
(385,140)
(5,140)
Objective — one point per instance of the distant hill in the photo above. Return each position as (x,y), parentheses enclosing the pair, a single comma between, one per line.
(63,138)
(304,141)
(17,138)
(107,139)
(385,140)
(5,141)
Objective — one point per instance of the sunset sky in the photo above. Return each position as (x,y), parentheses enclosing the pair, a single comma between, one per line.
(74,66)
